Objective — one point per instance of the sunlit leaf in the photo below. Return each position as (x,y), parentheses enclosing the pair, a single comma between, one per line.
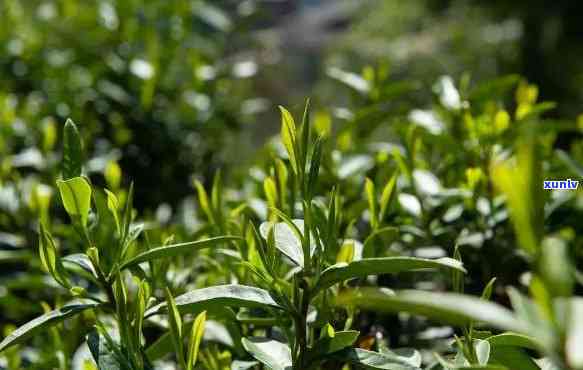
(273,354)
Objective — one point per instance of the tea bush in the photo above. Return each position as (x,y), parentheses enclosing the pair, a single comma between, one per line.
(395,239)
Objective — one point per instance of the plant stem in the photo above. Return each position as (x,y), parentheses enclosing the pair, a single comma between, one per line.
(301,332)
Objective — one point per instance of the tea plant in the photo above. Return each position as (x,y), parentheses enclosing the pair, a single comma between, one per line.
(547,323)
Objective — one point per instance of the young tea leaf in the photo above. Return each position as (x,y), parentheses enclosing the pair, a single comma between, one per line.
(72,151)
(175,321)
(76,196)
(195,339)
(289,139)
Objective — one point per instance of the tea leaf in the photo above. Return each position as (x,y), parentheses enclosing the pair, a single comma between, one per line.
(452,308)
(173,250)
(514,340)
(44,322)
(72,151)
(369,187)
(273,354)
(513,358)
(388,196)
(221,295)
(286,238)
(288,137)
(384,265)
(175,321)
(76,196)
(373,360)
(195,339)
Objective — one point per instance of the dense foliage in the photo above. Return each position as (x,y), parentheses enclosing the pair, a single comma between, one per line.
(288,264)
(406,227)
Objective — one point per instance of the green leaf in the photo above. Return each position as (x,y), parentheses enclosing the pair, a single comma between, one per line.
(373,360)
(173,250)
(233,295)
(113,205)
(487,292)
(81,260)
(270,189)
(315,167)
(372,202)
(306,133)
(49,259)
(175,321)
(203,199)
(388,196)
(288,137)
(107,354)
(384,265)
(346,253)
(513,358)
(273,354)
(76,196)
(514,340)
(72,151)
(453,308)
(286,238)
(327,345)
(44,322)
(195,339)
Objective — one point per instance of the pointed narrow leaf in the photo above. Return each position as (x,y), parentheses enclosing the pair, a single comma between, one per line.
(387,197)
(384,265)
(371,197)
(72,151)
(43,322)
(205,204)
(373,360)
(452,308)
(76,196)
(315,166)
(306,132)
(219,296)
(175,321)
(195,339)
(173,250)
(288,137)
(273,354)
